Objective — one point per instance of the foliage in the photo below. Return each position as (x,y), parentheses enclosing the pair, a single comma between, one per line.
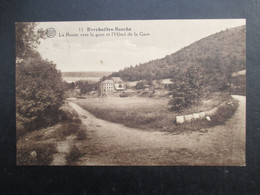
(187,90)
(225,111)
(27,39)
(83,86)
(81,134)
(44,153)
(69,86)
(123,95)
(86,74)
(178,103)
(140,85)
(217,55)
(153,114)
(86,87)
(39,92)
(74,155)
(39,87)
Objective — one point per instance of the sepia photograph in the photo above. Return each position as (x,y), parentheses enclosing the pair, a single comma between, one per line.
(131,93)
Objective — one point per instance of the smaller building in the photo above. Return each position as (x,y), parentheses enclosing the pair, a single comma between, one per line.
(119,84)
(166,82)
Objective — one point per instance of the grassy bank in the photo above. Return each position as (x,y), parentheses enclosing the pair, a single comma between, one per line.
(153,114)
(38,147)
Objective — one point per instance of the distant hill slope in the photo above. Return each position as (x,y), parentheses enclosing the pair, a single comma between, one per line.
(86,74)
(216,56)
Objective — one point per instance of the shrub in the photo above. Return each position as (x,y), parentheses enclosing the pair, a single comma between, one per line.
(68,116)
(224,112)
(73,155)
(140,85)
(39,93)
(20,131)
(123,95)
(44,153)
(177,104)
(66,129)
(81,134)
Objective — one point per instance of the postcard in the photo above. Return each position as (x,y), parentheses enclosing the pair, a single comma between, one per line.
(131,93)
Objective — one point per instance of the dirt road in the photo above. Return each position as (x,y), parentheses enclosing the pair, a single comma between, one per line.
(114,144)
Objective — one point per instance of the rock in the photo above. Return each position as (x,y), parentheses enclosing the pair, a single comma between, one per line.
(33,154)
(202,114)
(212,111)
(208,118)
(196,115)
(179,119)
(230,104)
(188,117)
(207,112)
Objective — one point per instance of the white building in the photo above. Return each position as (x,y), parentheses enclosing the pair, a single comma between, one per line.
(112,85)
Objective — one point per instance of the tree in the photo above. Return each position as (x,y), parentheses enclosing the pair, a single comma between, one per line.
(39,93)
(27,39)
(140,85)
(39,86)
(83,86)
(187,89)
(69,86)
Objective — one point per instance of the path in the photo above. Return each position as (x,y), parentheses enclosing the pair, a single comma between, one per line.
(114,144)
(63,148)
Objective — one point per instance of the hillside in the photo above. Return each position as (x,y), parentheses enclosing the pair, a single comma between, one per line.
(86,74)
(213,59)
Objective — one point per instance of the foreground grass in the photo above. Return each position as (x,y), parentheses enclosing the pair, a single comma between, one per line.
(38,147)
(33,153)
(73,156)
(154,114)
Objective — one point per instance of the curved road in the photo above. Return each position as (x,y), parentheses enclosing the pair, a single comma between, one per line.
(109,143)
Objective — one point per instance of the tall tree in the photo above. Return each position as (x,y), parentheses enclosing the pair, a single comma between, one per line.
(187,89)
(39,87)
(27,39)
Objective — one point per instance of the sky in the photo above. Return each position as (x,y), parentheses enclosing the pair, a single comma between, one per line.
(74,49)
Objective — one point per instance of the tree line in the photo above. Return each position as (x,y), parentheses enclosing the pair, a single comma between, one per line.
(203,67)
(225,49)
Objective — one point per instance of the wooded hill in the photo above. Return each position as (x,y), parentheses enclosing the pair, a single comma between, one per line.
(86,74)
(214,58)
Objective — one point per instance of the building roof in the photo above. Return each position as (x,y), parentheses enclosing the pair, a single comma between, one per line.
(108,82)
(117,79)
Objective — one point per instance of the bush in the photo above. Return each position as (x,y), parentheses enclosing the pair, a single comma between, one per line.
(81,134)
(123,95)
(66,129)
(140,85)
(224,112)
(177,104)
(20,131)
(73,155)
(69,116)
(39,93)
(44,153)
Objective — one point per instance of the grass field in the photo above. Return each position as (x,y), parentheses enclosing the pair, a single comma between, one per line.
(147,113)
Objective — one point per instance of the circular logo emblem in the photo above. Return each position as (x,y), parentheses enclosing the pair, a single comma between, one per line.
(50,32)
